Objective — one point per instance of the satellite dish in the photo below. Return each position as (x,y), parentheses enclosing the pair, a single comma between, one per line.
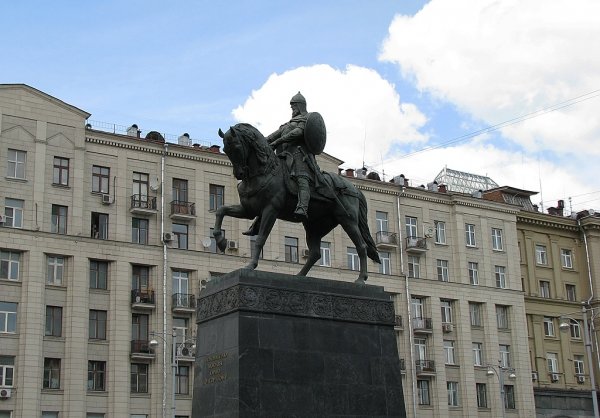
(154,184)
(206,242)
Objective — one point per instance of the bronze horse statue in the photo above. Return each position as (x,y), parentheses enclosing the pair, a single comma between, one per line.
(265,191)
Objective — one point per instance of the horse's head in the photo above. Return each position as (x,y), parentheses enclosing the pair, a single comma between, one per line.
(248,150)
(233,146)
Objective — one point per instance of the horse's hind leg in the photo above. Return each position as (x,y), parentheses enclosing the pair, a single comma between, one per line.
(353,232)
(313,240)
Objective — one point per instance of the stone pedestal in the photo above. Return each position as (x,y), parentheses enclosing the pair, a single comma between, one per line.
(273,345)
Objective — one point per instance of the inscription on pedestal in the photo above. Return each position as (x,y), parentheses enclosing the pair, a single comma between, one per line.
(215,366)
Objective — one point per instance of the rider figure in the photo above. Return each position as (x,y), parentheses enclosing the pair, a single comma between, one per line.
(289,142)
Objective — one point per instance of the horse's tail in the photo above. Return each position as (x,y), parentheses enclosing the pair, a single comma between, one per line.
(372,252)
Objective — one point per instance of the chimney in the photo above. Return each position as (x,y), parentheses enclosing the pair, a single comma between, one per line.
(184,140)
(133,131)
(442,188)
(215,149)
(350,172)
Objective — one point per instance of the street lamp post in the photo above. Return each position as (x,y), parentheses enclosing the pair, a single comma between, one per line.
(565,326)
(154,344)
(499,371)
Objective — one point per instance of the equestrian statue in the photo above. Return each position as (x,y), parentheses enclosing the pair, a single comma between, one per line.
(280,179)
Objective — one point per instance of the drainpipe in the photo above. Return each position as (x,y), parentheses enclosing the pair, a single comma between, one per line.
(162,231)
(413,370)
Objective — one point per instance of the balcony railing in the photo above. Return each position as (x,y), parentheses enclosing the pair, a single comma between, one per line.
(182,210)
(141,347)
(422,324)
(425,366)
(385,239)
(142,296)
(183,301)
(416,244)
(143,204)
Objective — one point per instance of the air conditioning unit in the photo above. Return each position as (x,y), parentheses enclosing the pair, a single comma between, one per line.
(580,379)
(305,252)
(2,219)
(232,245)
(554,377)
(5,393)
(107,199)
(534,376)
(447,327)
(168,237)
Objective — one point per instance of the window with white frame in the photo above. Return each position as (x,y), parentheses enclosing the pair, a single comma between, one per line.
(470,235)
(9,265)
(417,307)
(475,314)
(544,289)
(411,227)
(325,254)
(381,219)
(578,364)
(414,268)
(549,326)
(571,292)
(7,371)
(16,164)
(443,271)
(566,258)
(497,243)
(504,353)
(481,390)
(385,267)
(446,308)
(477,354)
(55,270)
(452,393)
(473,269)
(541,256)
(449,357)
(502,316)
(13,213)
(8,317)
(575,329)
(500,272)
(440,232)
(421,348)
(424,397)
(353,260)
(552,360)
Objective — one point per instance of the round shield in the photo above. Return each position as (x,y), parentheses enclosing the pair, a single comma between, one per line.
(315,134)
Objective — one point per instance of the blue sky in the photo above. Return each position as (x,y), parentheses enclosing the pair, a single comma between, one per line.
(389,77)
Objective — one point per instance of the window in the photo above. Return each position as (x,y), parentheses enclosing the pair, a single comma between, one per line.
(502,316)
(423,392)
(16,164)
(55,270)
(578,364)
(381,218)
(417,306)
(181,286)
(541,256)
(182,380)
(180,325)
(181,236)
(97,325)
(59,219)
(411,227)
(139,378)
(571,292)
(477,354)
(96,375)
(99,225)
(100,179)
(440,232)
(49,414)
(481,390)
(216,196)
(504,352)
(497,239)
(500,277)
(8,317)
(353,260)
(421,348)
(544,289)
(575,329)
(566,258)
(94,415)
(140,278)
(414,269)
(139,231)
(291,250)
(98,274)
(7,371)
(446,307)
(140,190)
(9,265)
(552,360)
(325,254)
(449,352)
(475,314)
(53,321)
(180,191)
(51,373)
(473,273)
(60,173)
(386,266)
(452,393)
(470,235)
(13,212)
(509,397)
(549,326)
(139,328)
(442,271)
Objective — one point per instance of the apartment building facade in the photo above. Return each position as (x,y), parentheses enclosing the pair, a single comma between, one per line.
(106,243)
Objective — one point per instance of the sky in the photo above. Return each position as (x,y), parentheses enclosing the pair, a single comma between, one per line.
(509,89)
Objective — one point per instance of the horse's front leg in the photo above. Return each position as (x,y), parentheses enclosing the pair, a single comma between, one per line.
(268,218)
(236,211)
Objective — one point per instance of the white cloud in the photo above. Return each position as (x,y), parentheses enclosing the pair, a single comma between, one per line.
(361,110)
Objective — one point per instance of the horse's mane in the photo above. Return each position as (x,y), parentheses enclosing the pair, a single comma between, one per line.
(253,137)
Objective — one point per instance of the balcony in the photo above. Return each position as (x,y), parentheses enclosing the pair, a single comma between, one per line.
(398,323)
(143,204)
(183,303)
(425,367)
(422,325)
(142,299)
(416,244)
(386,240)
(141,350)
(182,211)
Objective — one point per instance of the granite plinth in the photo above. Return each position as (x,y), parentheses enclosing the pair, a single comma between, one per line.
(273,345)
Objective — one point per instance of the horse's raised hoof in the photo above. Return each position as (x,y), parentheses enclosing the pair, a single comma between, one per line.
(222,244)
